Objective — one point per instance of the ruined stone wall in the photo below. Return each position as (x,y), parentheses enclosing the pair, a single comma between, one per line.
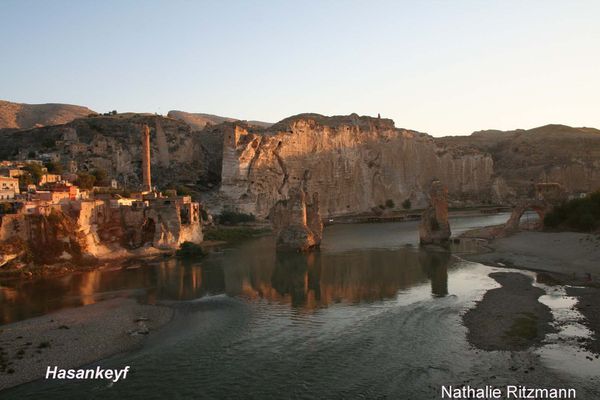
(356,163)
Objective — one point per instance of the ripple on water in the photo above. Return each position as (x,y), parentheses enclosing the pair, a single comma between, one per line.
(564,350)
(363,318)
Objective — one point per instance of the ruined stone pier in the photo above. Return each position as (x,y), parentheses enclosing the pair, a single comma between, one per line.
(434,227)
(297,221)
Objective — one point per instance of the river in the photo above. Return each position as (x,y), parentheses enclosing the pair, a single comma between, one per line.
(368,316)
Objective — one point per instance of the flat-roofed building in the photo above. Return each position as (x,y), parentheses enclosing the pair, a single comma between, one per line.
(9,184)
(7,195)
(50,178)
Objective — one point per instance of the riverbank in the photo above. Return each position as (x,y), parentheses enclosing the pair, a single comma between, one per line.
(74,337)
(388,215)
(561,258)
(568,253)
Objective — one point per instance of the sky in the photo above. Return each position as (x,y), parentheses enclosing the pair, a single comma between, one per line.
(441,67)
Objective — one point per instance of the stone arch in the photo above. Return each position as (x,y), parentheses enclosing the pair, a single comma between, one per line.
(541,207)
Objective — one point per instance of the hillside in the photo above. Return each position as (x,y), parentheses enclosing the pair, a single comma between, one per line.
(26,116)
(198,121)
(554,153)
(357,162)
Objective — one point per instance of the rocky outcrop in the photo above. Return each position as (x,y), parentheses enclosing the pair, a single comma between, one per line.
(551,153)
(42,239)
(434,227)
(357,163)
(77,231)
(296,221)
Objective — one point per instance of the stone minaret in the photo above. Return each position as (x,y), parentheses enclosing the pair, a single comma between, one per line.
(146,174)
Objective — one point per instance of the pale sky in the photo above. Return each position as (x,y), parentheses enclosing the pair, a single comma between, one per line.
(441,67)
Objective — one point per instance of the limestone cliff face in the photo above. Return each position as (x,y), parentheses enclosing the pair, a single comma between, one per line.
(42,239)
(551,153)
(355,164)
(79,230)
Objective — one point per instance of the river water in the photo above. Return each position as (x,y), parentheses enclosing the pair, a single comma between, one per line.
(368,316)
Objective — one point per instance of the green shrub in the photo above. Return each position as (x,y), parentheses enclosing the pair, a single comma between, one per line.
(54,167)
(389,203)
(85,180)
(100,177)
(406,204)
(577,214)
(234,218)
(35,171)
(190,250)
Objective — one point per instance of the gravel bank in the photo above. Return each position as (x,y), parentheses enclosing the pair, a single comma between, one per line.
(73,337)
(589,306)
(567,258)
(509,317)
(567,253)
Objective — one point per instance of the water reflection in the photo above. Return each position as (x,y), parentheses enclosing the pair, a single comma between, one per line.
(252,271)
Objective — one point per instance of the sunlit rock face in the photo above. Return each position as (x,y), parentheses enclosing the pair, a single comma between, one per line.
(82,230)
(296,221)
(434,227)
(356,164)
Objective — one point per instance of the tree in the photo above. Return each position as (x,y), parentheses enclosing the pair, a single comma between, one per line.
(101,177)
(389,203)
(35,171)
(183,191)
(406,204)
(25,180)
(85,180)
(54,167)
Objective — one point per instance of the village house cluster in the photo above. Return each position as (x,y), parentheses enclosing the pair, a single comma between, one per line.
(35,195)
(150,217)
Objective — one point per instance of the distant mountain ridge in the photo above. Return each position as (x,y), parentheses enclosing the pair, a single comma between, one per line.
(198,121)
(26,116)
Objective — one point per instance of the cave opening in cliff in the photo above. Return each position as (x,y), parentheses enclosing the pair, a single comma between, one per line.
(148,231)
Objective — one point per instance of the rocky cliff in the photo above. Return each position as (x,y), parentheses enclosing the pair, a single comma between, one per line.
(79,231)
(113,144)
(354,164)
(552,153)
(25,116)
